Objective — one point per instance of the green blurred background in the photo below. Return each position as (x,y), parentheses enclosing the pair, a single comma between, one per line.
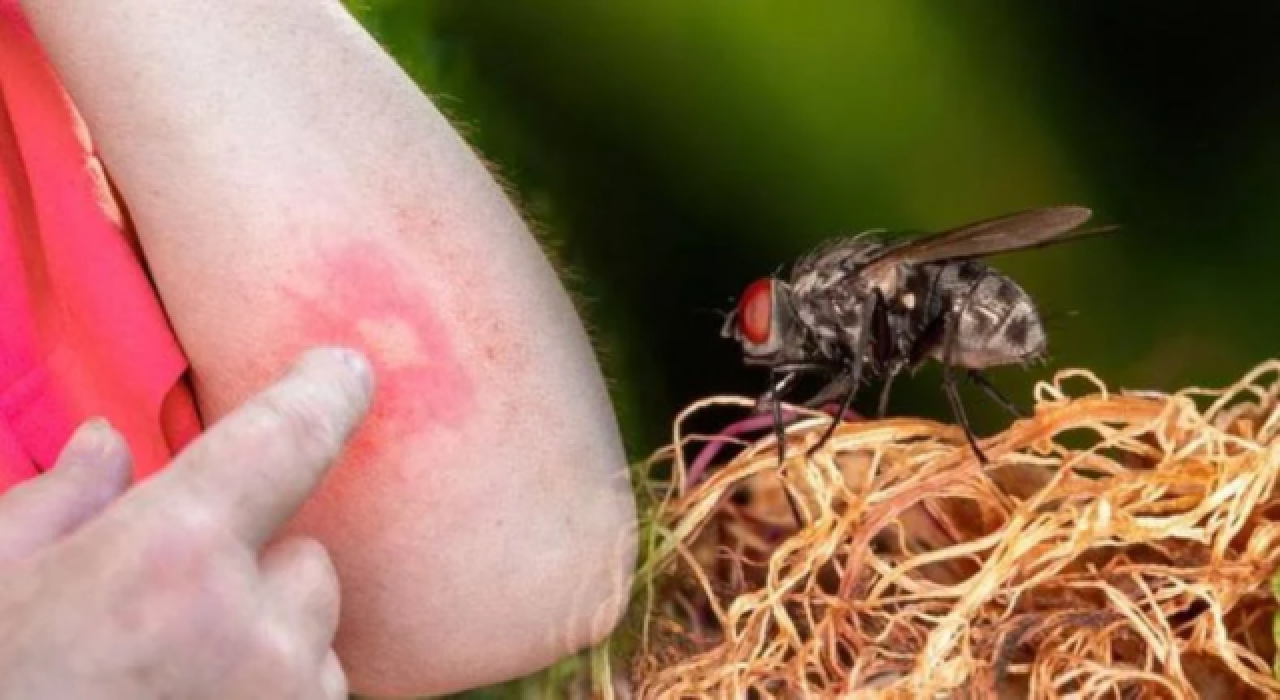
(671,151)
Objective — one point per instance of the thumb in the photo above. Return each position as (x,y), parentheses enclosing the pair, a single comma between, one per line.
(93,469)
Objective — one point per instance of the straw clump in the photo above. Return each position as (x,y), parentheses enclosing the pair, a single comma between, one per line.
(1118,544)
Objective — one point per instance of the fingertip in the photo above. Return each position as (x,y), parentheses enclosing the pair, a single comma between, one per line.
(93,469)
(256,466)
(97,447)
(348,362)
(94,437)
(359,365)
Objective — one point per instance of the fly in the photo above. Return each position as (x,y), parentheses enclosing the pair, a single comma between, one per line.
(867,306)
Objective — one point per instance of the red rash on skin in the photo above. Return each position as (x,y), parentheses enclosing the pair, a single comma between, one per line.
(357,295)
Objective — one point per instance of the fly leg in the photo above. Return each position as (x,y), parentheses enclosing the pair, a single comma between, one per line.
(889,376)
(782,379)
(930,336)
(949,385)
(886,340)
(779,387)
(944,328)
(776,391)
(790,373)
(953,319)
(836,389)
(854,376)
(858,359)
(990,389)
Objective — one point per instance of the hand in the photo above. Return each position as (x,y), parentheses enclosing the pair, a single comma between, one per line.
(167,591)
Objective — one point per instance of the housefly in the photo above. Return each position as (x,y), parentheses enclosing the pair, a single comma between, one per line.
(869,306)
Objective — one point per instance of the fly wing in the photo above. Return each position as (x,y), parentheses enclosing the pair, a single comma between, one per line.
(1034,228)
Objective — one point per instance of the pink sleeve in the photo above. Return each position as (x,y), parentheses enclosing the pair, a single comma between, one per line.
(82,332)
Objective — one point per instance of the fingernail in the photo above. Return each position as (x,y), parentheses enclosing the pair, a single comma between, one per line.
(358,365)
(93,437)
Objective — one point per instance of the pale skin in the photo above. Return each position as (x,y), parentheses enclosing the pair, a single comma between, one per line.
(175,589)
(290,188)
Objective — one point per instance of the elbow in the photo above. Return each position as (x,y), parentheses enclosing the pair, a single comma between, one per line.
(578,546)
(582,579)
(606,589)
(508,590)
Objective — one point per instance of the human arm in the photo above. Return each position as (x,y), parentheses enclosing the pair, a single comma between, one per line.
(292,187)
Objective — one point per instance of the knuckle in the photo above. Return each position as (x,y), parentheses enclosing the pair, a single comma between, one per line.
(193,533)
(286,658)
(313,563)
(188,543)
(183,587)
(318,557)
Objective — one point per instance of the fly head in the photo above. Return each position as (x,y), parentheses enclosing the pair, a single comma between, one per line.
(765,325)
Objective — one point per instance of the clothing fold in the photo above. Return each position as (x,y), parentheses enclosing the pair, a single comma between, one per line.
(83,333)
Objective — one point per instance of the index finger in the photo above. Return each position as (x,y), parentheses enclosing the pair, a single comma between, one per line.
(254,468)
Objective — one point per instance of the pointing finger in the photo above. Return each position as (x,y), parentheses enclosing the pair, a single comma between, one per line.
(255,467)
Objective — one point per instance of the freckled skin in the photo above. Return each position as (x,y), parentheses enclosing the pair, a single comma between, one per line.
(357,295)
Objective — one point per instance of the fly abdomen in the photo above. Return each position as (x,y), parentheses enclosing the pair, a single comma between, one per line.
(997,323)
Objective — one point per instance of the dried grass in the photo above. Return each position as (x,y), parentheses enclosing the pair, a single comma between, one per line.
(1117,545)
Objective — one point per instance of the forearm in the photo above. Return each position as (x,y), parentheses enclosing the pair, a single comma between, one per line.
(291,187)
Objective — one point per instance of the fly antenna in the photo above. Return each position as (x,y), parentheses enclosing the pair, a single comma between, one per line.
(718,313)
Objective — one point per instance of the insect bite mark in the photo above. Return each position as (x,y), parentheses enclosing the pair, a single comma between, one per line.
(359,295)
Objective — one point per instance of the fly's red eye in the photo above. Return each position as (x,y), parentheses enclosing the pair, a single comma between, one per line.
(755,311)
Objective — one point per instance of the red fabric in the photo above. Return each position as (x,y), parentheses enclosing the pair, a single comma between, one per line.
(82,332)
